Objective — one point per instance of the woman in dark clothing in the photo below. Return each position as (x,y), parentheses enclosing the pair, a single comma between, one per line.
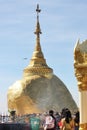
(76,120)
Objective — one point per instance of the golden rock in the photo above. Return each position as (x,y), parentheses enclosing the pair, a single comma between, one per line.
(36,94)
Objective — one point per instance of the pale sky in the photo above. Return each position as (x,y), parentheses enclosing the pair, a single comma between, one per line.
(62,23)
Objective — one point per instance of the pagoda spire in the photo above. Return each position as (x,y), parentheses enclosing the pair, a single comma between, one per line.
(38,30)
(38,64)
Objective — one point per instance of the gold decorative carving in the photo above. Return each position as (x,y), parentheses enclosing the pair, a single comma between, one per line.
(83,126)
(80,65)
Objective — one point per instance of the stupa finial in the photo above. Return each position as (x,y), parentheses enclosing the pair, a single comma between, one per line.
(38,30)
(38,11)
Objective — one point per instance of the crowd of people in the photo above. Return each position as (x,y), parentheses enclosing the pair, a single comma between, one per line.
(62,121)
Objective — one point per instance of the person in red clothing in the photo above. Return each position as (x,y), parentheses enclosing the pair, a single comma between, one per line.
(60,124)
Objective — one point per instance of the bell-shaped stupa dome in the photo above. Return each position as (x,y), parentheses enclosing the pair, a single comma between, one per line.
(39,90)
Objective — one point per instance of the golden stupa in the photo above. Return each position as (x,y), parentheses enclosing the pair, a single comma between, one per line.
(39,90)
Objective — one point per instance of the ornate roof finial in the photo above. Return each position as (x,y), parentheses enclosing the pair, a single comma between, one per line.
(38,11)
(38,30)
